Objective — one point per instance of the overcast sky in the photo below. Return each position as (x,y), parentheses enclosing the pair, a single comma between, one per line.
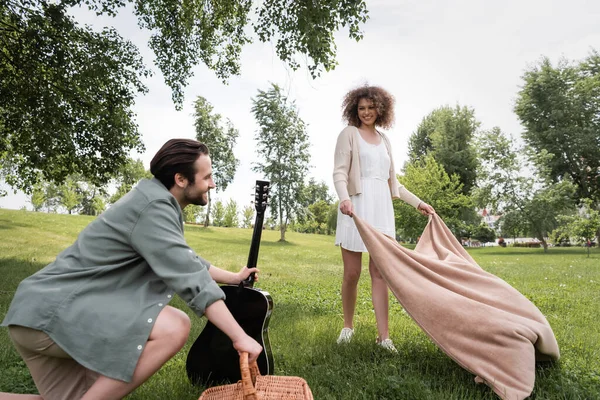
(426,53)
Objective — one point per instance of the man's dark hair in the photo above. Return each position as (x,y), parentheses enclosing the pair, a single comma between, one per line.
(177,156)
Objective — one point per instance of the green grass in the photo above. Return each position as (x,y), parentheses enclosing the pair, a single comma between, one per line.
(303,276)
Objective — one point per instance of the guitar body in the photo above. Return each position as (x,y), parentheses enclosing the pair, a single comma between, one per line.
(212,358)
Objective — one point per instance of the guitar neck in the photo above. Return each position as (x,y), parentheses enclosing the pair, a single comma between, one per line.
(260,205)
(255,245)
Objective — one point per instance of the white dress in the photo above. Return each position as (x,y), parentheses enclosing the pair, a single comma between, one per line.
(374,204)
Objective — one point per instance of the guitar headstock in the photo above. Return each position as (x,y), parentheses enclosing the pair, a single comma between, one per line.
(261,195)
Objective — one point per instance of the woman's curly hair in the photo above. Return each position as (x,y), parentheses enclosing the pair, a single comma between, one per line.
(381,98)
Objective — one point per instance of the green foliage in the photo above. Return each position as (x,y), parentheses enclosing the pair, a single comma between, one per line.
(317,219)
(332,218)
(428,180)
(582,226)
(65,96)
(67,92)
(483,233)
(218,213)
(68,195)
(283,146)
(97,205)
(220,140)
(503,186)
(512,224)
(230,218)
(559,106)
(307,27)
(312,192)
(247,217)
(315,191)
(38,197)
(52,192)
(193,213)
(446,134)
(128,175)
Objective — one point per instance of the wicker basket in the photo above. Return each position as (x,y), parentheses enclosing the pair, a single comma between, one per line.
(255,386)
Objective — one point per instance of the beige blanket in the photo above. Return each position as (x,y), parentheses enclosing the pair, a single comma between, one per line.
(476,318)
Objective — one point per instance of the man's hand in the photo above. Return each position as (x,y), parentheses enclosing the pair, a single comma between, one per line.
(249,345)
(245,273)
(221,317)
(346,207)
(426,209)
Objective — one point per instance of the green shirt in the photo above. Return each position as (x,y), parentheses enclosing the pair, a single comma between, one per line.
(100,298)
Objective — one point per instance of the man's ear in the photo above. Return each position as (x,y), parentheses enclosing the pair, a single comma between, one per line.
(180,180)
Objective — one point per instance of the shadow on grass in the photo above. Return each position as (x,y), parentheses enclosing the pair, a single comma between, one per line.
(14,270)
(7,224)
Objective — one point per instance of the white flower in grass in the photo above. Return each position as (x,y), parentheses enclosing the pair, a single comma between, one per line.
(562,285)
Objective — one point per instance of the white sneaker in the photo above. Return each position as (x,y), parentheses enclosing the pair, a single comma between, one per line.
(388,345)
(345,335)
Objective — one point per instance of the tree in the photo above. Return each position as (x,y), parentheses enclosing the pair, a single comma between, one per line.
(446,133)
(483,233)
(283,146)
(559,106)
(312,193)
(191,213)
(319,215)
(230,219)
(67,91)
(504,187)
(93,197)
(512,224)
(65,96)
(38,197)
(128,175)
(247,214)
(52,194)
(428,180)
(220,141)
(218,213)
(332,217)
(97,205)
(582,226)
(68,196)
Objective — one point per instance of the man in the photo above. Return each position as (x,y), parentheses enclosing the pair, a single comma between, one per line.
(95,323)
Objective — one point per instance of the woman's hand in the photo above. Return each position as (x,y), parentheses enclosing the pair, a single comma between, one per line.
(425,209)
(346,207)
(245,273)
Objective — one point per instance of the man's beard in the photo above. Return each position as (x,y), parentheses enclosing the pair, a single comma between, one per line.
(199,200)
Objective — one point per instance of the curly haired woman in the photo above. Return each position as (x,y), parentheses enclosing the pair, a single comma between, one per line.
(365,181)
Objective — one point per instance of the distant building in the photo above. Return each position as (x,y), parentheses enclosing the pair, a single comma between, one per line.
(489,219)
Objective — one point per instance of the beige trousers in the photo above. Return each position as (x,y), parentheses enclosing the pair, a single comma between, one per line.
(56,375)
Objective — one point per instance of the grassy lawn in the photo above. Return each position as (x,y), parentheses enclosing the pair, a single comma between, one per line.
(303,276)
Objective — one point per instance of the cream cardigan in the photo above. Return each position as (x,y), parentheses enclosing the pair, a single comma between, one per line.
(346,170)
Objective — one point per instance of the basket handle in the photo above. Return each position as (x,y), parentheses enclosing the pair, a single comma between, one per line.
(249,374)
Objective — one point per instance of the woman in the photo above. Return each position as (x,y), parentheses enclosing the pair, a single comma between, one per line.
(365,181)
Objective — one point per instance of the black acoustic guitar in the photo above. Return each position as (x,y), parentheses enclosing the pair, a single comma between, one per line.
(212,358)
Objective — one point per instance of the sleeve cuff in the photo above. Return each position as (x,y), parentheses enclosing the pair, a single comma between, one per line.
(209,294)
(409,197)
